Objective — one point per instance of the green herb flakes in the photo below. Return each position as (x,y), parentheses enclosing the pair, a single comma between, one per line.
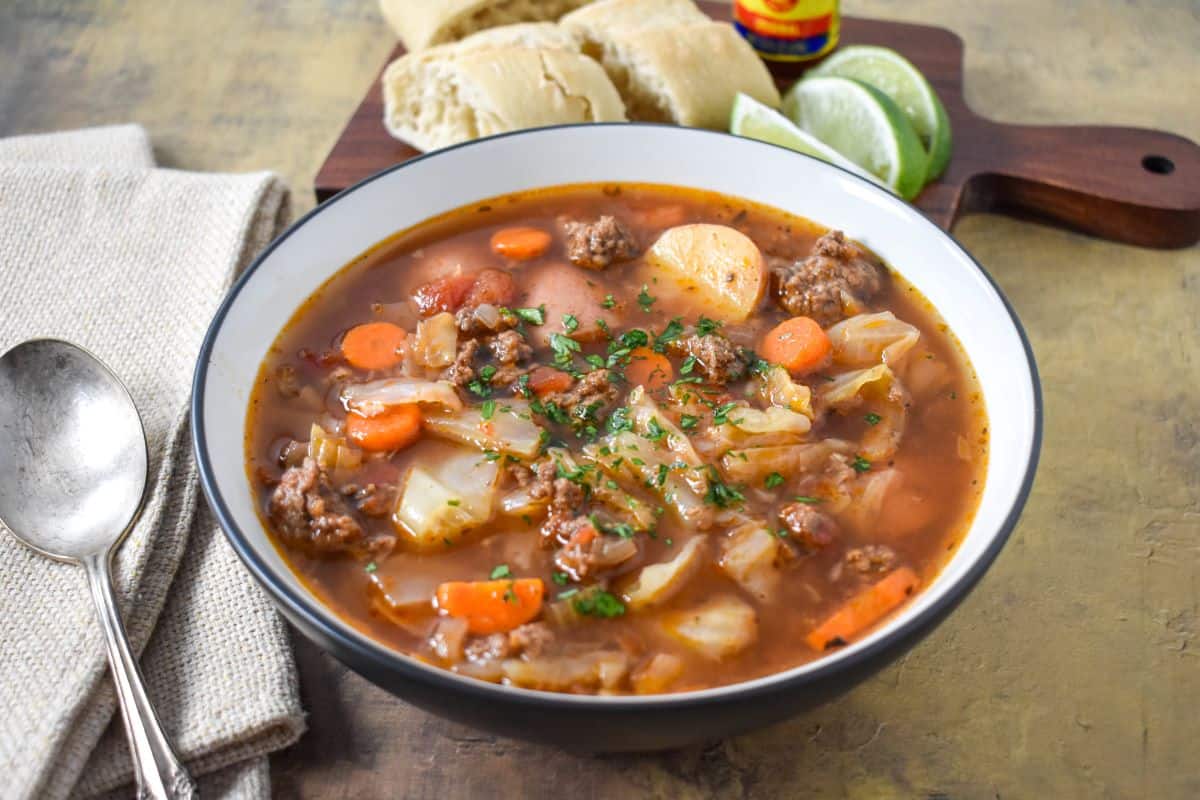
(500,571)
(773,480)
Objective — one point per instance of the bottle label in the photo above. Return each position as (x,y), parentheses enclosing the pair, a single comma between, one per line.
(788,29)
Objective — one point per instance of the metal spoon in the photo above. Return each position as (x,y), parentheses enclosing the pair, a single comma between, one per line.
(72,480)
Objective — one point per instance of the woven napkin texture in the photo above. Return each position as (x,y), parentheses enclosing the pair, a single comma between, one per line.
(99,247)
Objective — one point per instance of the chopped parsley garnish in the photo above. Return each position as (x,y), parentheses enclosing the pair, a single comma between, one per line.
(721,413)
(522,386)
(560,578)
(563,595)
(688,421)
(758,366)
(599,604)
(602,325)
(564,348)
(371,567)
(570,323)
(706,326)
(861,464)
(554,412)
(454,502)
(622,529)
(491,455)
(487,409)
(672,332)
(773,480)
(510,596)
(611,484)
(575,474)
(721,494)
(609,301)
(687,380)
(661,477)
(654,431)
(645,299)
(619,420)
(595,360)
(872,418)
(687,366)
(637,462)
(534,316)
(500,571)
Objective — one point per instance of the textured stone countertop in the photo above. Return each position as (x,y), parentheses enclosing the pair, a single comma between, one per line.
(1073,670)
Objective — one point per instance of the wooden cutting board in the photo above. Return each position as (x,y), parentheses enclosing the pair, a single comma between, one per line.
(1131,185)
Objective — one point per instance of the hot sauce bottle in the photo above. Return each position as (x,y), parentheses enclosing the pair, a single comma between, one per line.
(788,30)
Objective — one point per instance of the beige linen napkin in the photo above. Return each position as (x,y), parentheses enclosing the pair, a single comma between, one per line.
(99,247)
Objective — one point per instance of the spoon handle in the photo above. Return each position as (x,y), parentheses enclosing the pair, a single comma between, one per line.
(159,773)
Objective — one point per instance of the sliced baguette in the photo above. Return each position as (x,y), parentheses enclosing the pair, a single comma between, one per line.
(424,23)
(670,62)
(436,99)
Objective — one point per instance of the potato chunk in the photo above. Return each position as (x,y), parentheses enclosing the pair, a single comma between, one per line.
(719,265)
(719,628)
(749,557)
(657,583)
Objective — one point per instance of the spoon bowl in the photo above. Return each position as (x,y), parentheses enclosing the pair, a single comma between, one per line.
(73,469)
(74,481)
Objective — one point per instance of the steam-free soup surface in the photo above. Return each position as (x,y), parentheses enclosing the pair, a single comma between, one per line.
(617,439)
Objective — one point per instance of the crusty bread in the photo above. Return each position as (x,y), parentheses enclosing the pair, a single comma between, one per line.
(423,23)
(598,22)
(463,91)
(545,35)
(670,62)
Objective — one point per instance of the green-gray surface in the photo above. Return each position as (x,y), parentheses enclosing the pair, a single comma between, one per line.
(1074,668)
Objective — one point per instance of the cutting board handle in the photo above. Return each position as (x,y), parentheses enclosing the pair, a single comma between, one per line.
(1131,185)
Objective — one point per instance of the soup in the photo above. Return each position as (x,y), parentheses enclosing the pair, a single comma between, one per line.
(619,439)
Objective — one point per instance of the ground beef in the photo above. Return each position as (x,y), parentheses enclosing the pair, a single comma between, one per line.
(529,639)
(308,514)
(541,481)
(596,245)
(373,499)
(595,391)
(871,558)
(509,347)
(483,320)
(718,360)
(836,280)
(806,526)
(521,475)
(462,371)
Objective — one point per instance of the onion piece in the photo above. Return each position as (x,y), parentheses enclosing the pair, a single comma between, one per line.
(374,398)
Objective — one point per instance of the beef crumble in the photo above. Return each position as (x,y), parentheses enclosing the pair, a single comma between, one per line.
(718,360)
(308,513)
(597,244)
(836,280)
(806,526)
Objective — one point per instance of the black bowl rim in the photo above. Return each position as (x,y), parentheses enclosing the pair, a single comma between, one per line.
(315,615)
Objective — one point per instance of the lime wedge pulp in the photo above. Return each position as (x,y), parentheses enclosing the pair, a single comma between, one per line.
(754,120)
(895,76)
(862,124)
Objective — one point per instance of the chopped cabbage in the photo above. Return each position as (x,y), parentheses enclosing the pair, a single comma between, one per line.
(602,669)
(868,339)
(510,429)
(718,628)
(332,453)
(645,413)
(444,498)
(774,420)
(374,398)
(636,458)
(888,398)
(657,674)
(620,498)
(658,583)
(777,388)
(753,464)
(436,342)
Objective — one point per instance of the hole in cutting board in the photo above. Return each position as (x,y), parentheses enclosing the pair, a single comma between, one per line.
(1159,165)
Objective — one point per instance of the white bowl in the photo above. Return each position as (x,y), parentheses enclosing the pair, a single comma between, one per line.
(344,227)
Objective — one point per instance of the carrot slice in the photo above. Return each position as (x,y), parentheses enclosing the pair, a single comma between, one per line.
(798,345)
(396,428)
(548,380)
(492,606)
(521,244)
(863,610)
(375,345)
(649,369)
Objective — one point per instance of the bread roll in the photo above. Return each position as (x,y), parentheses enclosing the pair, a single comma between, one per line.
(670,62)
(423,23)
(461,92)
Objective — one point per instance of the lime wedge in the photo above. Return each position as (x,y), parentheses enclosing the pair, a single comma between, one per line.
(754,120)
(895,76)
(862,124)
